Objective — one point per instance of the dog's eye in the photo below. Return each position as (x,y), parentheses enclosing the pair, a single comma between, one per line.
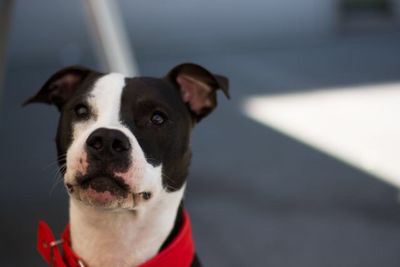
(158,118)
(81,111)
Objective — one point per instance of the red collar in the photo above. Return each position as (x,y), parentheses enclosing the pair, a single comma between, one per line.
(178,253)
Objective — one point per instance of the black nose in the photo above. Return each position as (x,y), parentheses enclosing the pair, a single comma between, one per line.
(104,143)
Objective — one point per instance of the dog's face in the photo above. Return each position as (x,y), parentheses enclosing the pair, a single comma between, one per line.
(123,141)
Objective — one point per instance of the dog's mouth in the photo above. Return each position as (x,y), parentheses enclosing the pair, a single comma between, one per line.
(105,190)
(104,183)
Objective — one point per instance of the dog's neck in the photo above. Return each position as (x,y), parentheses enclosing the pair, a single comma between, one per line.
(122,238)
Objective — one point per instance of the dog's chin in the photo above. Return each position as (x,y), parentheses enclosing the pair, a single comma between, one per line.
(105,200)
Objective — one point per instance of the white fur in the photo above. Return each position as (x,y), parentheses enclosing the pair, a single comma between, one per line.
(127,234)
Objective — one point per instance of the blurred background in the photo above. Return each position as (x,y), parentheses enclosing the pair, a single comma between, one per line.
(300,168)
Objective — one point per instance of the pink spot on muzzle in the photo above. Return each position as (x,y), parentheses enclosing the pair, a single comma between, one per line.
(100,196)
(81,164)
(127,176)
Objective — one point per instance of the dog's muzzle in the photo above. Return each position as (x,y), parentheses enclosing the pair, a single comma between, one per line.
(108,178)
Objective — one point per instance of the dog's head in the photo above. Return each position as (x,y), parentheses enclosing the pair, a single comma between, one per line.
(122,141)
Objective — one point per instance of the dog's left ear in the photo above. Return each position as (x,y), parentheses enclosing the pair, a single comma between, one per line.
(198,88)
(60,86)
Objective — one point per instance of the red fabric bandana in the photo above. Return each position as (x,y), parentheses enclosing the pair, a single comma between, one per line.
(178,253)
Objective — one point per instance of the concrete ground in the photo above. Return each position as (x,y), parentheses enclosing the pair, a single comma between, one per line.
(256,197)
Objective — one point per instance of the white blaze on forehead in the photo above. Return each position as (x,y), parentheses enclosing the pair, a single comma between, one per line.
(105,102)
(106,98)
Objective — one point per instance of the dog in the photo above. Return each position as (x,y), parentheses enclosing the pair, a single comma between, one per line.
(123,148)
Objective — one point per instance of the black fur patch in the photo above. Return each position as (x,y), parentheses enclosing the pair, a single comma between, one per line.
(167,144)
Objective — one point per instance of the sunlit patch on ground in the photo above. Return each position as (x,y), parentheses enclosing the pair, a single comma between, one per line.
(358,125)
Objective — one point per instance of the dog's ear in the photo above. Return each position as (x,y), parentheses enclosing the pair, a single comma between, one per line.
(60,86)
(198,88)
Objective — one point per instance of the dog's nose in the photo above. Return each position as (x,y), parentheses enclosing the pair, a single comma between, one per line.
(105,142)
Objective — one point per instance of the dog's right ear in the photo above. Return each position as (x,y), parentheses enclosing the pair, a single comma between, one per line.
(60,86)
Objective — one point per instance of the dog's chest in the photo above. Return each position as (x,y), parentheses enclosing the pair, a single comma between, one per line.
(121,238)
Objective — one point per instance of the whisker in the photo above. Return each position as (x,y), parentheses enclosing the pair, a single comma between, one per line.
(59,158)
(58,177)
